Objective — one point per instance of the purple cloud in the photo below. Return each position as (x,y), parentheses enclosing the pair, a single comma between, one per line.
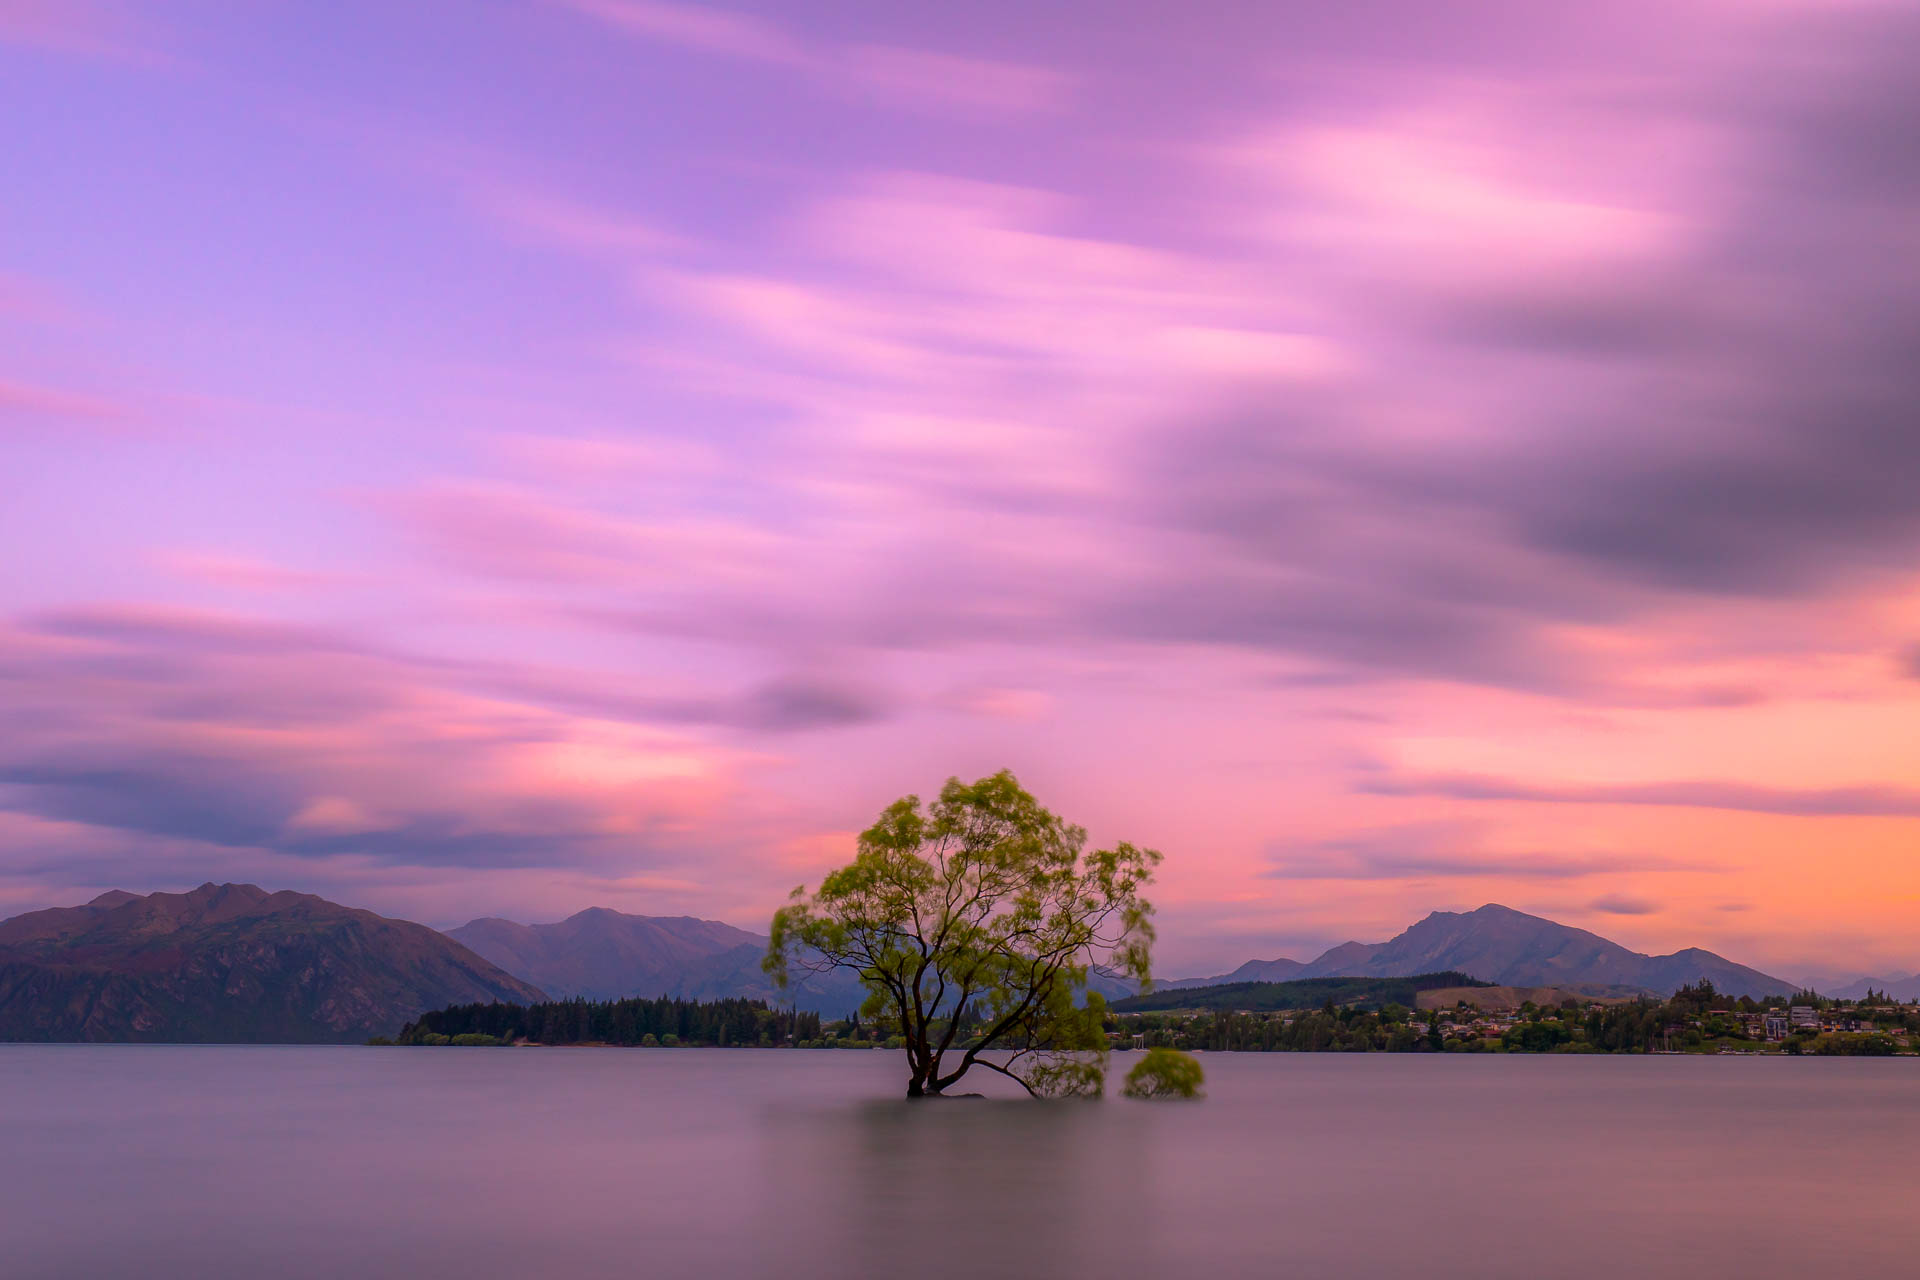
(1178,412)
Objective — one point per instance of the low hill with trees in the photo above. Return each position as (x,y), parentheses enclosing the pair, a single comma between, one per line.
(1306,993)
(666,1021)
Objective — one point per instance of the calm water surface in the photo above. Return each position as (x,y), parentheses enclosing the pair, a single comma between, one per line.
(263,1161)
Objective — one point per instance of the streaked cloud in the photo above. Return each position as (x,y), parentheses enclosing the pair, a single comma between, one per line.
(1871,801)
(1343,455)
(105,29)
(1621,904)
(28,403)
(939,81)
(1455,850)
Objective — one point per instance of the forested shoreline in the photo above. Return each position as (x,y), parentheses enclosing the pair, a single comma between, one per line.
(1695,1019)
(635,1022)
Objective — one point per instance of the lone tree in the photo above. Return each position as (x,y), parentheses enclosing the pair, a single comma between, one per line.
(974,923)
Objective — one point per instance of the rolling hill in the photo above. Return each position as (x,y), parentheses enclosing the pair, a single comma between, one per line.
(1252,971)
(1302,993)
(229,963)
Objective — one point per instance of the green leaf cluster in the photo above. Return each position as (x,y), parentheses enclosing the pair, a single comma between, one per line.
(1165,1073)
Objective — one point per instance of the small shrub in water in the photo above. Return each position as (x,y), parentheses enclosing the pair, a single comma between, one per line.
(1165,1073)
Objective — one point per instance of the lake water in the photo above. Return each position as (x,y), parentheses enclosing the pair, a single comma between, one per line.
(158,1161)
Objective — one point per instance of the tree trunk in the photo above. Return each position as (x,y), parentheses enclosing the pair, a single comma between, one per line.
(919,1073)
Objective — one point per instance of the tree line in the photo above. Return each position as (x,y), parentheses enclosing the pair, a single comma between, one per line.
(1696,1018)
(666,1021)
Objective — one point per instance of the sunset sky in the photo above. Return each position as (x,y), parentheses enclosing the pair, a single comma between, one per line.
(502,458)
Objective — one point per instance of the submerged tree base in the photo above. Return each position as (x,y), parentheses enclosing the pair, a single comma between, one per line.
(946,1097)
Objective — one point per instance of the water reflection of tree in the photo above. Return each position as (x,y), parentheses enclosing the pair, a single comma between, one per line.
(961,1187)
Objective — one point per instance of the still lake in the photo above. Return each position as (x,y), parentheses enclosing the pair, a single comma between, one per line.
(165,1161)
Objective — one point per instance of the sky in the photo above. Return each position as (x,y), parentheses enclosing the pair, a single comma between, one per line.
(501,458)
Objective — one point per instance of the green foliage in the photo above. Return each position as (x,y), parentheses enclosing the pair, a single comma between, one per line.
(1067,1076)
(1845,1044)
(973,923)
(1305,993)
(476,1040)
(1327,1030)
(1165,1073)
(1537,1037)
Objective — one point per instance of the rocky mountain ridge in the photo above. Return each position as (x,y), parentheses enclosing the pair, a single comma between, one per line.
(229,963)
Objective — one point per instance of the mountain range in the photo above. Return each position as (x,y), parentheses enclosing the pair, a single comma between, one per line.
(1511,948)
(606,955)
(229,963)
(235,963)
(1904,987)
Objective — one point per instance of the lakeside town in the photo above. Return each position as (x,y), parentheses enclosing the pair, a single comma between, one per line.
(1695,1020)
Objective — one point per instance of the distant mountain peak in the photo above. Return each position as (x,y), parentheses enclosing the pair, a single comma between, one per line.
(228,889)
(605,954)
(1499,944)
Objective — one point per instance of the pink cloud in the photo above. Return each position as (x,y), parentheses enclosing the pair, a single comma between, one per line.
(27,401)
(244,573)
(519,533)
(921,78)
(1308,446)
(215,728)
(568,224)
(709,29)
(89,28)
(968,83)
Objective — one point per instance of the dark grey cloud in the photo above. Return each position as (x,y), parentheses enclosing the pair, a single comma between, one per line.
(1872,801)
(1446,850)
(795,702)
(159,793)
(808,703)
(238,803)
(1621,904)
(1741,420)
